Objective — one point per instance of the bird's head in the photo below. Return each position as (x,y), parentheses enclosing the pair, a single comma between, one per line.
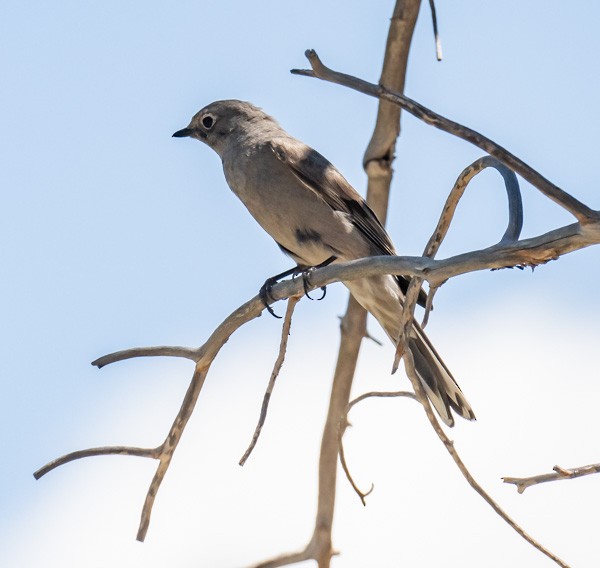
(218,123)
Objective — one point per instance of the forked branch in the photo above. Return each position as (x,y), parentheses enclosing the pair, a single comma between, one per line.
(507,253)
(409,365)
(578,209)
(285,332)
(342,429)
(525,252)
(203,357)
(559,474)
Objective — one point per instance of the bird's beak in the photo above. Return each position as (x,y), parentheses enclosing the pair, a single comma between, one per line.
(183,133)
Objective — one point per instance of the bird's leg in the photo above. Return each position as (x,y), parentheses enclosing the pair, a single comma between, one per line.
(306,277)
(265,290)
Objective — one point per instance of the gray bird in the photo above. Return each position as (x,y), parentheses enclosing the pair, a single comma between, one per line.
(316,217)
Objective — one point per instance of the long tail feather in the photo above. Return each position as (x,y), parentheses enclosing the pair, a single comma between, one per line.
(381,296)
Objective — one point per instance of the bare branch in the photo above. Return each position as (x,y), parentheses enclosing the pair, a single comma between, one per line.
(579,210)
(103,451)
(436,35)
(559,474)
(528,252)
(378,157)
(429,304)
(381,394)
(361,494)
(513,230)
(379,153)
(515,203)
(344,424)
(170,444)
(285,332)
(159,351)
(449,445)
(377,163)
(203,357)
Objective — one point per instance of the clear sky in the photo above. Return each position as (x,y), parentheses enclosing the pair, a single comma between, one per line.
(114,235)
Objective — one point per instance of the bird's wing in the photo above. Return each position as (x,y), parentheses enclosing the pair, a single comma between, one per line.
(321,177)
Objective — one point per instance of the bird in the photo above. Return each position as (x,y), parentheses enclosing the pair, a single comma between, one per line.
(316,217)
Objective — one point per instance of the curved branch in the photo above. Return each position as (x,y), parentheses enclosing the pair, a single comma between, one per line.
(344,424)
(102,451)
(158,351)
(515,203)
(528,252)
(164,453)
(559,474)
(381,394)
(449,445)
(579,210)
(513,230)
(285,332)
(342,455)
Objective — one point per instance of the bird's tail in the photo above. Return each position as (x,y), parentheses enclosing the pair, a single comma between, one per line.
(381,296)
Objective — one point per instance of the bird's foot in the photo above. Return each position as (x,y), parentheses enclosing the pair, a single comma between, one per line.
(306,282)
(265,290)
(265,295)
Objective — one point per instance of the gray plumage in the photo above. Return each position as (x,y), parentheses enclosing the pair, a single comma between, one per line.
(313,213)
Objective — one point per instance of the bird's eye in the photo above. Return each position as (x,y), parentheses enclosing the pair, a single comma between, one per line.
(208,121)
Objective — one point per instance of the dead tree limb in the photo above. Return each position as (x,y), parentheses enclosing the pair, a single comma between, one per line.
(560,473)
(527,252)
(578,209)
(377,163)
(344,423)
(285,332)
(509,252)
(449,445)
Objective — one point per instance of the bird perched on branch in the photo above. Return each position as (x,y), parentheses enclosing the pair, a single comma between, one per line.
(317,217)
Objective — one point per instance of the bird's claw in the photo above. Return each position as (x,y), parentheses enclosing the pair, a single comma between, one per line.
(265,290)
(306,283)
(265,295)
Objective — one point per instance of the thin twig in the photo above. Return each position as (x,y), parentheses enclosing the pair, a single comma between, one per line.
(361,494)
(171,442)
(579,210)
(436,35)
(429,304)
(515,204)
(407,320)
(377,162)
(102,451)
(164,453)
(285,333)
(343,425)
(559,474)
(449,445)
(525,252)
(159,351)
(381,394)
(513,230)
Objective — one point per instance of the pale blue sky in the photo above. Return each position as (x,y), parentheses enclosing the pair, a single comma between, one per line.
(113,234)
